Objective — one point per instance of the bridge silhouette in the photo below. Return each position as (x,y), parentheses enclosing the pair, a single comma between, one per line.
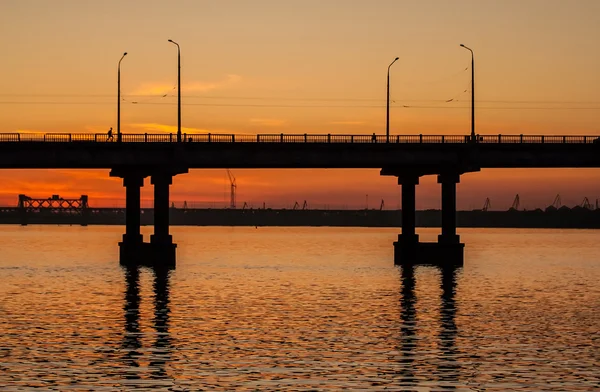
(134,157)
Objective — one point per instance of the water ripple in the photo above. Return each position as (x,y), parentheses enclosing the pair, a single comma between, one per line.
(301,309)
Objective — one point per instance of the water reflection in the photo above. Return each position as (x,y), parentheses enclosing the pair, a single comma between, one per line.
(132,345)
(408,340)
(131,338)
(162,343)
(447,366)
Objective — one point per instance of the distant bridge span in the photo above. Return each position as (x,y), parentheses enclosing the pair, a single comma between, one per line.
(408,157)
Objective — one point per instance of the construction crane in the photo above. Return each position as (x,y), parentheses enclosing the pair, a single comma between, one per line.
(557,202)
(487,205)
(233,189)
(516,203)
(586,203)
(296,205)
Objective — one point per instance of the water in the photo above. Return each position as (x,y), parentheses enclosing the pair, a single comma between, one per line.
(301,309)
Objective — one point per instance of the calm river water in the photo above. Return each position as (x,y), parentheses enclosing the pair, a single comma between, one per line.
(299,309)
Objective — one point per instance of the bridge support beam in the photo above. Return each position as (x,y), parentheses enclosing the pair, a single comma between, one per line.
(161,241)
(409,209)
(131,249)
(408,242)
(448,182)
(451,250)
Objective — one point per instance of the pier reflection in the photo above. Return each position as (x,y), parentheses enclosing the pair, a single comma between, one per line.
(160,353)
(408,341)
(162,343)
(447,368)
(131,338)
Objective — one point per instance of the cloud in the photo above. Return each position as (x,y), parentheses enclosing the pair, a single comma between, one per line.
(269,122)
(347,122)
(163,128)
(154,88)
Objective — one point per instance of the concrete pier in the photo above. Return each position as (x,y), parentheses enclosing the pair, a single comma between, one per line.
(406,248)
(161,242)
(131,249)
(448,251)
(160,252)
(448,182)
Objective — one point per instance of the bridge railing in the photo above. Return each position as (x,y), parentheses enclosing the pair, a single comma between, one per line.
(536,139)
(295,138)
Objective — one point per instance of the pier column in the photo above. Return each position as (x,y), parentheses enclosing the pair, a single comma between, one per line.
(161,242)
(133,183)
(161,184)
(131,249)
(408,184)
(406,249)
(449,182)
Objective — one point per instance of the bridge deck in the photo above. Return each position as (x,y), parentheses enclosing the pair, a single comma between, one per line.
(428,154)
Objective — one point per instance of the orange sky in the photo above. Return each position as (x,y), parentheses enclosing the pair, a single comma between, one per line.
(303,66)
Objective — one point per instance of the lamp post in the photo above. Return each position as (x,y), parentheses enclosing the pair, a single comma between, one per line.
(119,98)
(387,113)
(472,93)
(178,90)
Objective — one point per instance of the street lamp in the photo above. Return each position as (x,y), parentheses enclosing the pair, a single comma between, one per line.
(178,90)
(387,113)
(119,98)
(472,93)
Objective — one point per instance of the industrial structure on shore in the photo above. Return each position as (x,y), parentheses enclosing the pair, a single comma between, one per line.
(58,210)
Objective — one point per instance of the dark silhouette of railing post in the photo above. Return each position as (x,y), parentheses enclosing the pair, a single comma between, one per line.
(448,182)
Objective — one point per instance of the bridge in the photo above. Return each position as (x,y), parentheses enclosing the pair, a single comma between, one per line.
(134,157)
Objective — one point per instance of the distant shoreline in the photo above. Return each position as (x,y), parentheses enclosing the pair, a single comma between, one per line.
(564,218)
